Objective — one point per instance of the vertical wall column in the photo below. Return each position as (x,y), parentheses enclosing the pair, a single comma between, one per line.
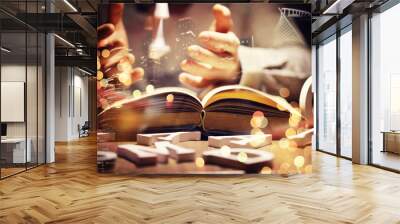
(360,90)
(50,98)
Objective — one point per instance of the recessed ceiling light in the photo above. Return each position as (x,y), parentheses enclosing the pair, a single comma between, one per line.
(5,50)
(70,6)
(64,40)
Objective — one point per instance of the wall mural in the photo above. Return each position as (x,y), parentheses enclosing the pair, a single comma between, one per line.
(204,88)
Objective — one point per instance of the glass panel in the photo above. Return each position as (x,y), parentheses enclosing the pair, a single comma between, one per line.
(385,84)
(31,99)
(32,86)
(346,94)
(13,93)
(327,96)
(41,99)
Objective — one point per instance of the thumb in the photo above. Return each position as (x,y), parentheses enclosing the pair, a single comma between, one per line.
(116,12)
(223,21)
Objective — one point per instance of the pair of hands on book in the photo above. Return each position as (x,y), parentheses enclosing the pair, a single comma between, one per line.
(214,62)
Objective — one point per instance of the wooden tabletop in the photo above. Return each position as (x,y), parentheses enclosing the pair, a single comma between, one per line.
(283,163)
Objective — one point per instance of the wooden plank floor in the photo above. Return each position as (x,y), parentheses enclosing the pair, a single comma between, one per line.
(70,191)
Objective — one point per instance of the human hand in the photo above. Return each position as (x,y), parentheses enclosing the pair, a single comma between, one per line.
(216,60)
(114,58)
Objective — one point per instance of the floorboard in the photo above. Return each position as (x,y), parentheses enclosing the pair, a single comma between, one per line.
(71,191)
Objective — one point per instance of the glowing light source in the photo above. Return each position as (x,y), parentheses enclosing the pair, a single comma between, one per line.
(225,150)
(256,131)
(123,66)
(70,6)
(266,170)
(125,78)
(99,75)
(242,157)
(170,98)
(284,92)
(290,132)
(257,139)
(105,53)
(258,114)
(299,161)
(136,93)
(294,120)
(149,88)
(119,105)
(64,41)
(199,162)
(5,49)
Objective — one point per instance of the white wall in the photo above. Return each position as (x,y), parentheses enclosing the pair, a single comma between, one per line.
(34,125)
(71,94)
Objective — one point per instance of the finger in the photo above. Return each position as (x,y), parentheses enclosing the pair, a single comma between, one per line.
(116,55)
(199,69)
(129,77)
(105,35)
(105,30)
(223,20)
(112,72)
(193,81)
(205,56)
(114,40)
(219,42)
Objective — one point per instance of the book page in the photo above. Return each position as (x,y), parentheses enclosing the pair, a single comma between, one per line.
(246,93)
(156,92)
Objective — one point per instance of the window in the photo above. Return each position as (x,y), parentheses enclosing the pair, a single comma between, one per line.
(327,95)
(385,88)
(346,94)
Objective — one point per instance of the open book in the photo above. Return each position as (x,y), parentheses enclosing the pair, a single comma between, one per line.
(224,110)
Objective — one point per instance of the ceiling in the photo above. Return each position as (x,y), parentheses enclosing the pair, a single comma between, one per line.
(76,22)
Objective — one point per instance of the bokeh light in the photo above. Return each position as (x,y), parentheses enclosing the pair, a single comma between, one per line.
(199,162)
(258,114)
(299,161)
(105,53)
(136,93)
(118,105)
(284,92)
(225,150)
(149,88)
(242,157)
(123,66)
(258,139)
(170,98)
(266,170)
(125,78)
(290,132)
(294,120)
(99,75)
